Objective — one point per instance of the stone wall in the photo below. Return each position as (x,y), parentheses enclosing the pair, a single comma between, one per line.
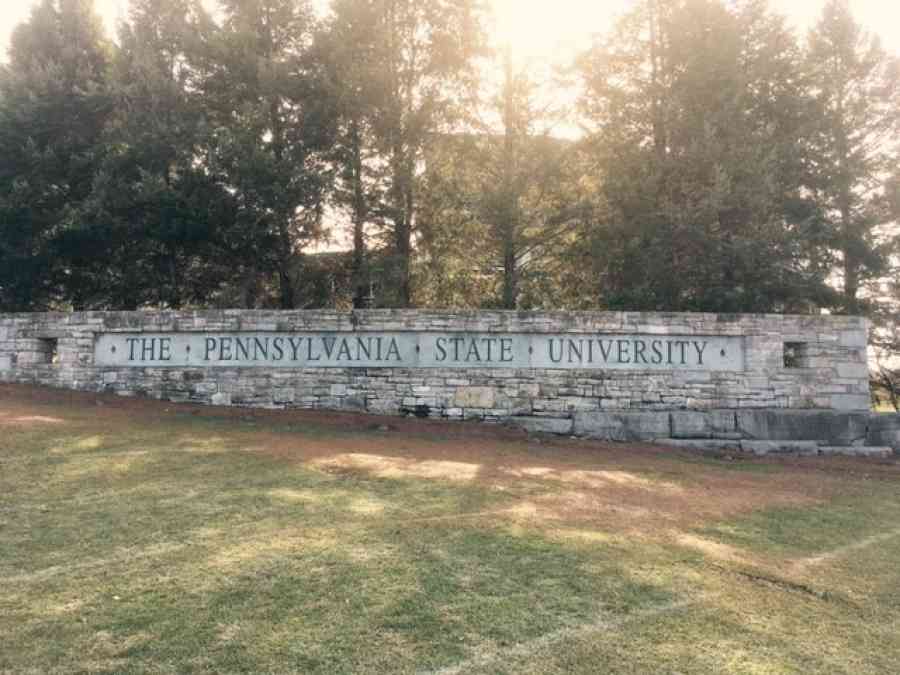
(785,362)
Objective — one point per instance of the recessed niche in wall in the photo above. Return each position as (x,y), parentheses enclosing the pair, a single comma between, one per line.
(49,348)
(796,354)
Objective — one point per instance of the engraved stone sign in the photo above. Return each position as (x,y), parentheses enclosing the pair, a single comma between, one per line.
(421,350)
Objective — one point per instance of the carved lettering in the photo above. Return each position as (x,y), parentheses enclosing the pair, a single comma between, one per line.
(700,347)
(295,347)
(393,349)
(472,354)
(553,357)
(605,349)
(241,349)
(624,352)
(147,347)
(278,349)
(656,346)
(363,347)
(225,349)
(165,349)
(422,350)
(309,351)
(131,345)
(575,351)
(260,346)
(639,348)
(344,352)
(506,350)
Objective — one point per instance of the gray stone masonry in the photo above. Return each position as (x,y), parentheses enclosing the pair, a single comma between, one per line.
(884,430)
(837,428)
(739,388)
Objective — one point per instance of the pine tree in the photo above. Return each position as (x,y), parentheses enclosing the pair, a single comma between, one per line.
(855,127)
(425,51)
(54,103)
(348,58)
(270,132)
(525,195)
(494,204)
(698,127)
(160,217)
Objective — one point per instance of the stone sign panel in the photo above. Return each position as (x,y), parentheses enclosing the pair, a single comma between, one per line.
(557,370)
(421,350)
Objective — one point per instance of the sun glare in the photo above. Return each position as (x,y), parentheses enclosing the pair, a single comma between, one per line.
(551,30)
(538,30)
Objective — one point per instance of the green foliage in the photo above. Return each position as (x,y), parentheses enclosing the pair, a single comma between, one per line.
(410,73)
(698,110)
(268,131)
(54,102)
(160,226)
(349,62)
(854,140)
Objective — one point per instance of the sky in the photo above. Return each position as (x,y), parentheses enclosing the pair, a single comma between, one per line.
(542,29)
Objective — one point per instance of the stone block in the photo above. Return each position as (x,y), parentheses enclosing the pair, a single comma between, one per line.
(853,338)
(221,399)
(385,406)
(884,430)
(474,397)
(691,424)
(724,424)
(825,426)
(530,390)
(203,388)
(767,447)
(284,395)
(543,425)
(701,444)
(622,426)
(357,403)
(858,451)
(855,371)
(851,402)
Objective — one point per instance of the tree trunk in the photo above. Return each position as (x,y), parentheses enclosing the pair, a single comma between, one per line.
(510,278)
(509,225)
(359,270)
(286,296)
(404,204)
(402,158)
(851,264)
(656,66)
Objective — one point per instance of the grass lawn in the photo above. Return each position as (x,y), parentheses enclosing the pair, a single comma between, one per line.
(137,536)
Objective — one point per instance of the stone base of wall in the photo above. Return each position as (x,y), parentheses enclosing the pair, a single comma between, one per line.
(808,432)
